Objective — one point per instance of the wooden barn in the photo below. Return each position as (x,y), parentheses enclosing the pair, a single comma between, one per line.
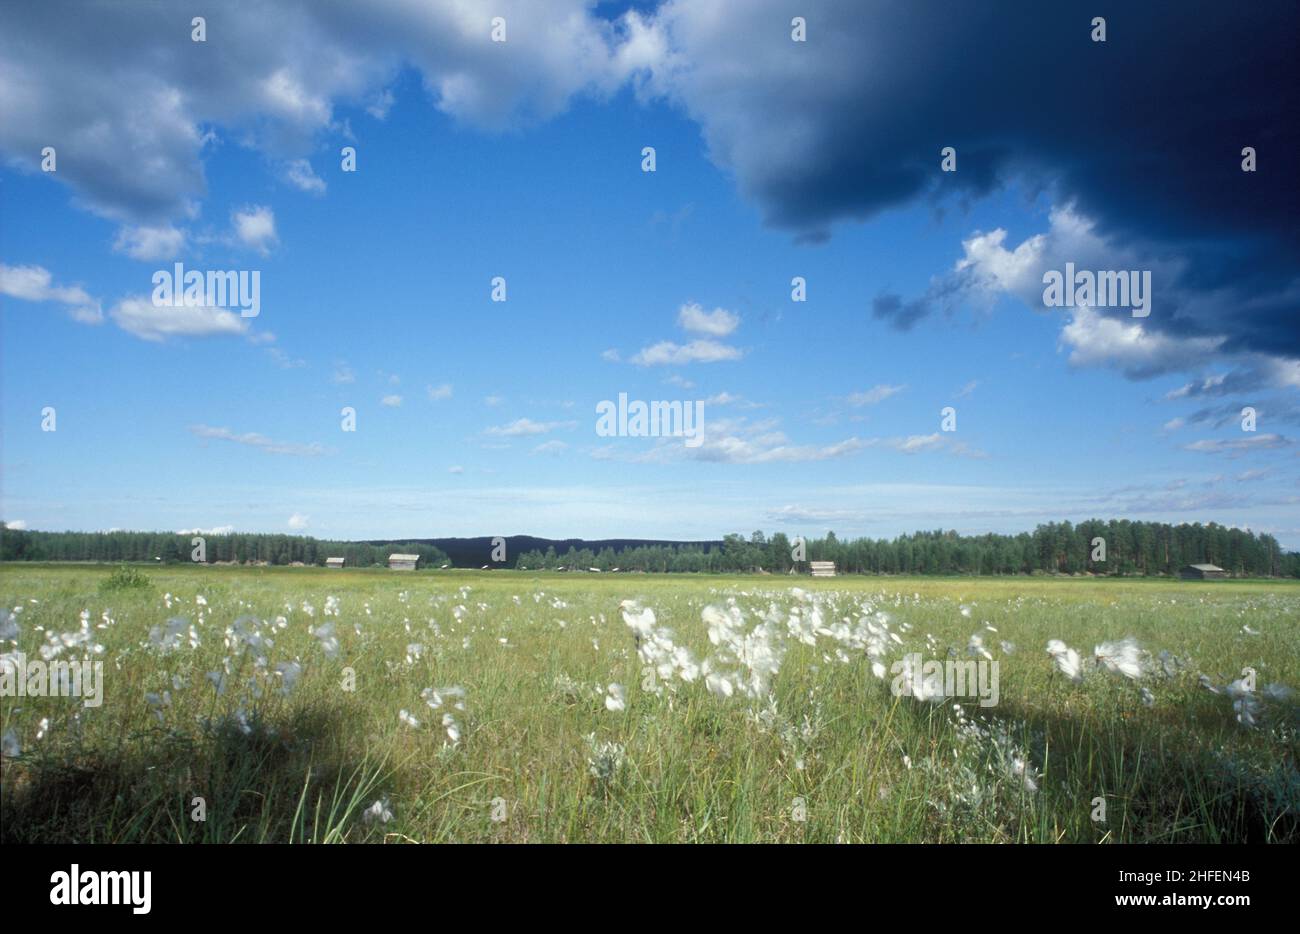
(822,568)
(1202,572)
(403,562)
(335,562)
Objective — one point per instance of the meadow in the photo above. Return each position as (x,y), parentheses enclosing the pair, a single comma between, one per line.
(306,705)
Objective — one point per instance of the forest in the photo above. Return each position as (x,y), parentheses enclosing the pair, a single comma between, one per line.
(1114,547)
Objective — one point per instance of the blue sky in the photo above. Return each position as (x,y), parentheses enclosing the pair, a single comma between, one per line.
(477,417)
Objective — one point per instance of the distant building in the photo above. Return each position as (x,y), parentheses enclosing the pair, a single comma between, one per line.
(822,568)
(403,562)
(1202,572)
(334,562)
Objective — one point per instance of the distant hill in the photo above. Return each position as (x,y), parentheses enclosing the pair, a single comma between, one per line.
(476,552)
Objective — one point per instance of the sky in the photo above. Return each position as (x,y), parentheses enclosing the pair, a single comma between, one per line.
(524,159)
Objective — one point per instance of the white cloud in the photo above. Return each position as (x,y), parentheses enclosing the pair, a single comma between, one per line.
(139,316)
(298,521)
(254,227)
(17,525)
(1239,446)
(35,284)
(343,374)
(1096,340)
(456,469)
(259,441)
(215,530)
(550,447)
(303,177)
(437,393)
(875,394)
(723,398)
(667,353)
(525,426)
(717,323)
(150,243)
(393,401)
(133,115)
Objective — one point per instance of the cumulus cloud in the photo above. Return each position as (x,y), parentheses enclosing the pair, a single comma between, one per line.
(393,401)
(132,106)
(668,353)
(138,315)
(439,392)
(298,521)
(36,284)
(150,243)
(716,323)
(254,227)
(1187,329)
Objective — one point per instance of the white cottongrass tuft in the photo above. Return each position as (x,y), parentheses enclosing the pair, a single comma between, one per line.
(378,812)
(615,698)
(1121,658)
(1067,660)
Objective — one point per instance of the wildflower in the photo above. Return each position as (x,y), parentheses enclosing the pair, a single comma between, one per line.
(329,642)
(1277,692)
(606,759)
(377,812)
(719,685)
(450,725)
(289,673)
(1067,660)
(1123,658)
(616,699)
(406,717)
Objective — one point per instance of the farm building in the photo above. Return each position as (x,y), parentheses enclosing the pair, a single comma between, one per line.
(822,568)
(1202,572)
(334,562)
(403,562)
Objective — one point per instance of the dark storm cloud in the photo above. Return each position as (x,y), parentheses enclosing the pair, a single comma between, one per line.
(1143,133)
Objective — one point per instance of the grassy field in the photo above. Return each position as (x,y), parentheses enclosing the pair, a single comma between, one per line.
(366,706)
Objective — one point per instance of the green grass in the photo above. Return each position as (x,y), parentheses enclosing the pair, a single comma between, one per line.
(831,744)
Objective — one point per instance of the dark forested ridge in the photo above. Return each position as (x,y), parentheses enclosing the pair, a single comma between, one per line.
(172,546)
(1130,548)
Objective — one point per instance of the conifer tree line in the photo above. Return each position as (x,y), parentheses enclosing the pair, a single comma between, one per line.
(1130,549)
(169,547)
